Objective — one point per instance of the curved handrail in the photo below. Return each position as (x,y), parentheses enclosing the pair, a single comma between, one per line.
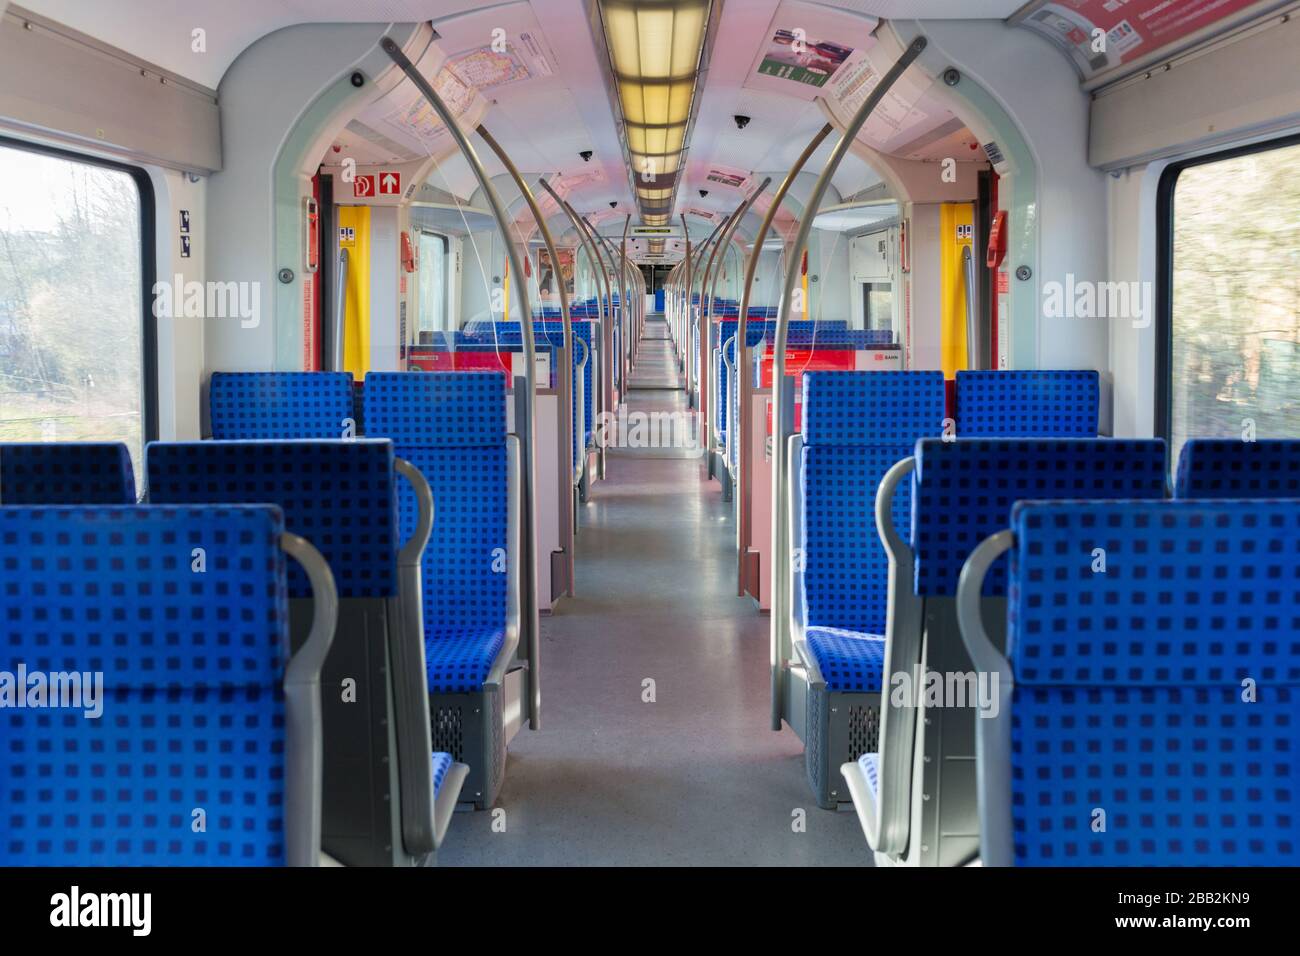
(304,747)
(580,381)
(992,734)
(745,387)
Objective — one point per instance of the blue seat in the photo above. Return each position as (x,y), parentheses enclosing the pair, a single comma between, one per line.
(962,491)
(1228,468)
(197,722)
(1044,403)
(342,495)
(66,473)
(1153,708)
(850,661)
(856,426)
(452,426)
(281,405)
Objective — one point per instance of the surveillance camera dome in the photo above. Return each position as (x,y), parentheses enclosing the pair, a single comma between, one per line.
(741,121)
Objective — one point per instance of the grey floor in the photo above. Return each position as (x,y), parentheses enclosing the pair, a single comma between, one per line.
(696,777)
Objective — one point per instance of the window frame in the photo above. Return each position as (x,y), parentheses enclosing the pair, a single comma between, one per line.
(1164,318)
(148,267)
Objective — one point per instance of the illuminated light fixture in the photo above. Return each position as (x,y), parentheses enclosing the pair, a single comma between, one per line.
(655,48)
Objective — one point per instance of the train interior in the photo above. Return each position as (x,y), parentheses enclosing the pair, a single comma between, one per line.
(650,433)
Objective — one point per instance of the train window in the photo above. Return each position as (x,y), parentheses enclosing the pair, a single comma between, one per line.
(433,282)
(76,355)
(1231,296)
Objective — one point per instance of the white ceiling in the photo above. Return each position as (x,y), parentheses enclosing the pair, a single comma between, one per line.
(545,121)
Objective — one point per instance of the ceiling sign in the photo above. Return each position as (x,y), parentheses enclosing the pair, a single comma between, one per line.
(728,176)
(390,182)
(363,187)
(897,111)
(655,231)
(1101,35)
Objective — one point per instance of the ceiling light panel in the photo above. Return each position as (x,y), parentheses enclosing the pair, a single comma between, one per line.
(654,49)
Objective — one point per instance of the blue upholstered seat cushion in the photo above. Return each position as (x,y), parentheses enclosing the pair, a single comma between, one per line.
(1131,686)
(458,658)
(191,665)
(850,661)
(1231,468)
(280,405)
(441,764)
(66,473)
(870,766)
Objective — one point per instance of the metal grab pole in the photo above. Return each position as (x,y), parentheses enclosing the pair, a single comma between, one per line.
(974,354)
(606,337)
(686,262)
(744,383)
(524,425)
(340,315)
(702,382)
(724,243)
(627,305)
(692,374)
(565,419)
(597,268)
(780,635)
(622,312)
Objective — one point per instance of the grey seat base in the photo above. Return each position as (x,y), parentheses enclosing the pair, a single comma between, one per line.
(836,728)
(471,727)
(476,727)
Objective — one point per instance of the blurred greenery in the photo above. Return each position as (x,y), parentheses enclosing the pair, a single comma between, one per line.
(70,337)
(1236,297)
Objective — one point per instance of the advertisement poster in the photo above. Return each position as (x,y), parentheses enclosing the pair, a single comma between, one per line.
(793,55)
(806,47)
(546,272)
(1100,35)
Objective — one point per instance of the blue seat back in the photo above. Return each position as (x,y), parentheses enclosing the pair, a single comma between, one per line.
(856,426)
(191,665)
(963,491)
(1228,468)
(452,426)
(339,495)
(1041,403)
(1130,686)
(279,405)
(66,473)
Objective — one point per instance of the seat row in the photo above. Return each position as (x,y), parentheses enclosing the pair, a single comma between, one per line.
(403,617)
(877,588)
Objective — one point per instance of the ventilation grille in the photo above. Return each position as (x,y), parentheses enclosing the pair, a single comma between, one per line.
(864,731)
(448,726)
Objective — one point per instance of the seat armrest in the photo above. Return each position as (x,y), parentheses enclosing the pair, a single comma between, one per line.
(304,749)
(409,677)
(903,632)
(514,580)
(992,732)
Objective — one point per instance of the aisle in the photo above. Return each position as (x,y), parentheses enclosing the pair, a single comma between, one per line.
(696,777)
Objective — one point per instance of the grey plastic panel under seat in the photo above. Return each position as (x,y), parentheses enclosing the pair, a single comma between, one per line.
(471,728)
(944,794)
(360,802)
(841,727)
